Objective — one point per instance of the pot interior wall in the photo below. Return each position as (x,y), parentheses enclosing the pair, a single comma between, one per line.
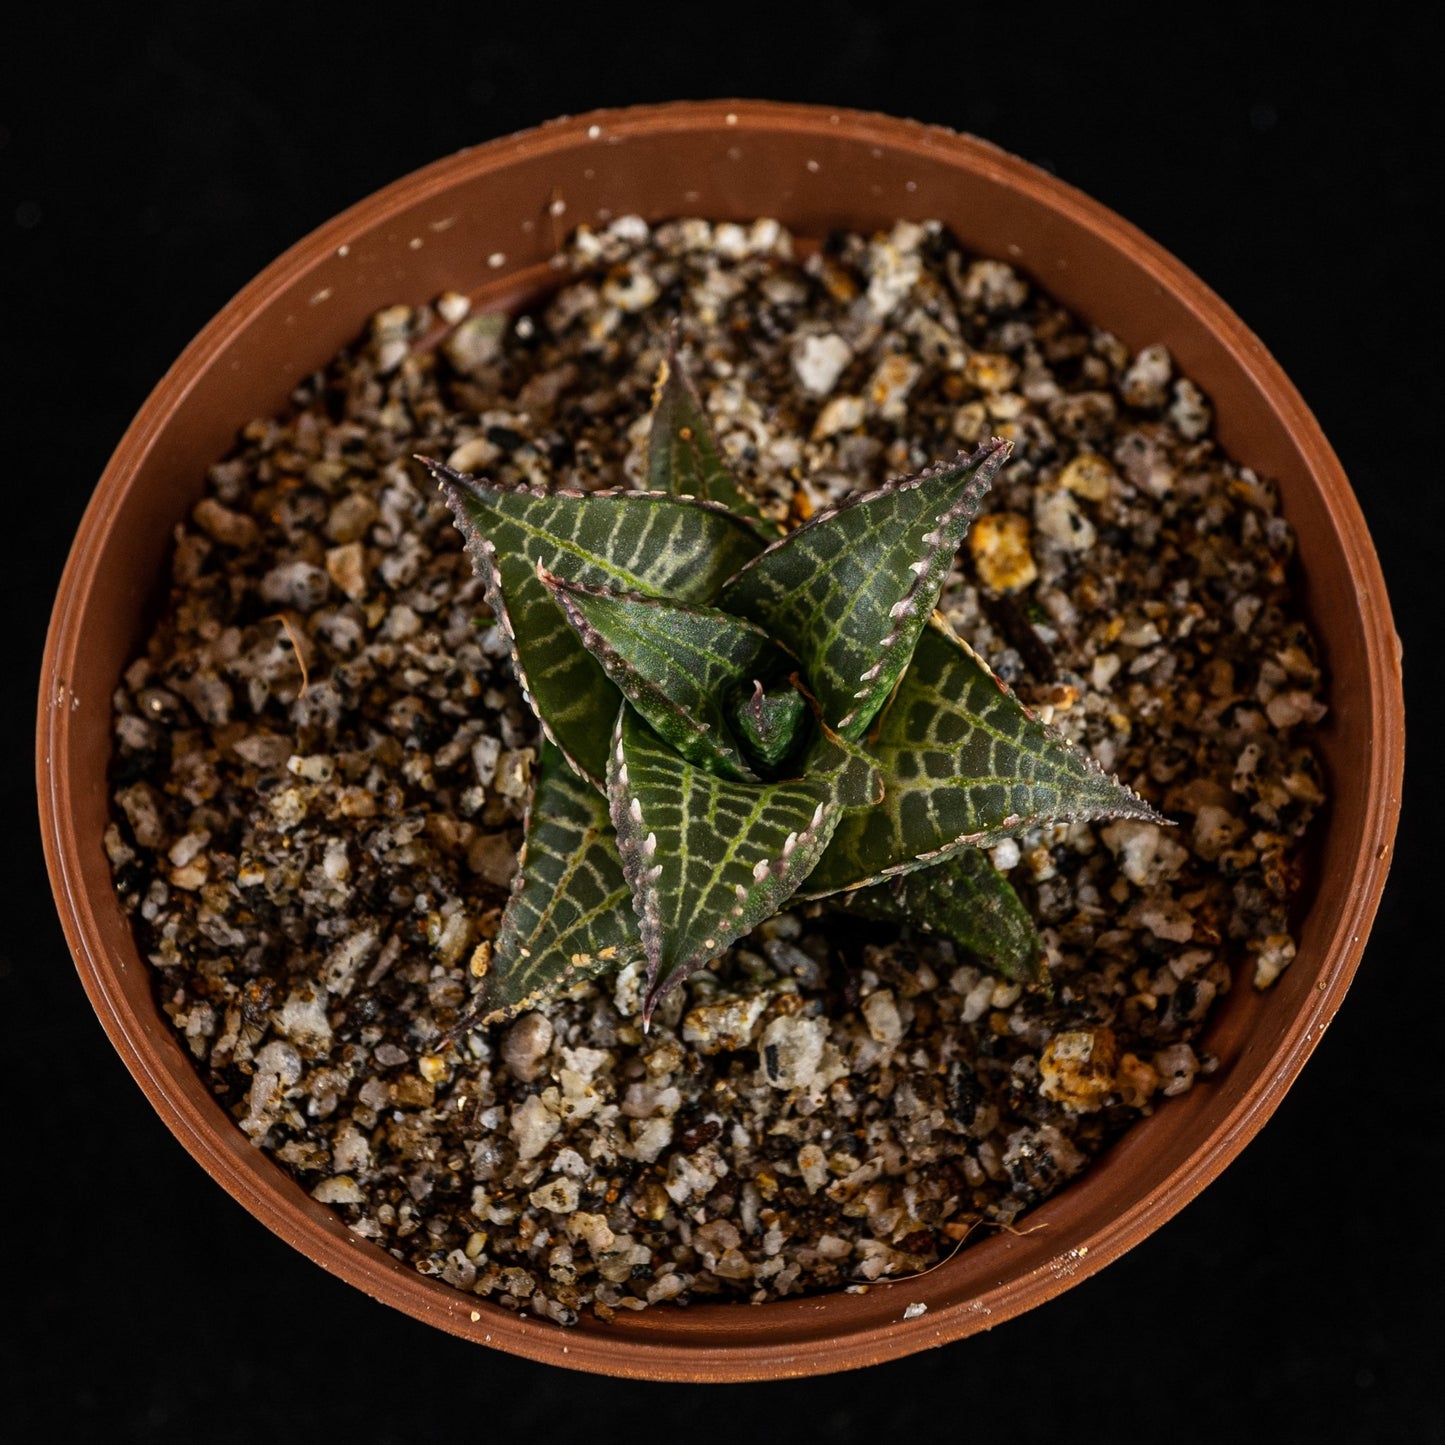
(487,222)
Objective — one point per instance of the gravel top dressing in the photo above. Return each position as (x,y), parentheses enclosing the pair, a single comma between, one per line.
(323,761)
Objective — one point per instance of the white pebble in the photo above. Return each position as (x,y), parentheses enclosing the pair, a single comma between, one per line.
(1057,517)
(880,1013)
(791,1050)
(560,1196)
(341,1189)
(813,1165)
(818,362)
(534,1126)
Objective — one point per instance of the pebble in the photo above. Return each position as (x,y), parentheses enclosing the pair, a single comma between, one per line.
(1057,517)
(234,529)
(1089,476)
(514,772)
(295,584)
(890,384)
(1077,1068)
(894,269)
(1176,1067)
(841,413)
(494,857)
(303,1019)
(791,1050)
(533,1127)
(1146,852)
(452,307)
(1273,957)
(999,545)
(350,518)
(724,1024)
(813,1166)
(557,1196)
(991,371)
(338,1190)
(1145,384)
(818,362)
(346,567)
(1190,412)
(880,1011)
(476,343)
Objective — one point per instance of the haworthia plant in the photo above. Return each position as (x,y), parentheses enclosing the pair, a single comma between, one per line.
(735,718)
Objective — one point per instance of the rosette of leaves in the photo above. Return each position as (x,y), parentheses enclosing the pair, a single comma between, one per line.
(734,718)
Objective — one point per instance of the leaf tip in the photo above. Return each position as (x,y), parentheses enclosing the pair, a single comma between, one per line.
(443,475)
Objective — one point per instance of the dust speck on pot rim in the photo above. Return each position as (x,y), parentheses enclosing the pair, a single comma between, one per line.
(322,763)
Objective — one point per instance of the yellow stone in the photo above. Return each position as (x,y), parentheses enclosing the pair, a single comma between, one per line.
(346,566)
(1089,476)
(1137,1081)
(1077,1068)
(991,371)
(1000,546)
(481,959)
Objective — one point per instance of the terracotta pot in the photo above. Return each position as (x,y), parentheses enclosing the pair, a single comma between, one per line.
(486,221)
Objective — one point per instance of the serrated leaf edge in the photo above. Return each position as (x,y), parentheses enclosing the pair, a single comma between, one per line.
(858,499)
(610,658)
(986,459)
(492,591)
(446,477)
(1142,811)
(672,370)
(578,963)
(638,846)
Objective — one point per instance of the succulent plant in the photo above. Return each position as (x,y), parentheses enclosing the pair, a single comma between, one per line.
(735,717)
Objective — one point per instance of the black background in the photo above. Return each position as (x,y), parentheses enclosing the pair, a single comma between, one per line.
(154,158)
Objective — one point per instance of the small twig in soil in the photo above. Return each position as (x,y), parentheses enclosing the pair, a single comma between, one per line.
(1014,1230)
(963,1239)
(295,642)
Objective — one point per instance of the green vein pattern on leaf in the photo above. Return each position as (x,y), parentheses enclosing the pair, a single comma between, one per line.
(709,858)
(964,763)
(676,664)
(629,541)
(851,590)
(568,918)
(683,457)
(963,898)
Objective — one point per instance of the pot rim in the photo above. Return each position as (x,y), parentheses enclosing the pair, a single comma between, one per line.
(787,1338)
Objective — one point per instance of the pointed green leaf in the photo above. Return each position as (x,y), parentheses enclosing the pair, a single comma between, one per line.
(683,457)
(629,541)
(769,720)
(964,762)
(570,914)
(963,898)
(709,858)
(850,590)
(677,665)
